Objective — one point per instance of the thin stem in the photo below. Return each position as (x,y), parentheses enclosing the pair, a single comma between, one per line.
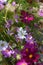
(6,16)
(6,12)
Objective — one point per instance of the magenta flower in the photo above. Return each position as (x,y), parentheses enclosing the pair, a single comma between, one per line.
(29,53)
(25,17)
(21,63)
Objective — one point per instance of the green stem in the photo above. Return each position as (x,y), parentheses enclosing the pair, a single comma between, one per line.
(6,16)
(7,12)
(6,35)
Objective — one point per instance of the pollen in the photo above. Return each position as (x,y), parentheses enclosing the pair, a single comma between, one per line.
(30,56)
(24,64)
(26,50)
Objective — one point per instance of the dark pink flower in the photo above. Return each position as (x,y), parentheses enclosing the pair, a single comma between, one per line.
(29,53)
(21,63)
(26,17)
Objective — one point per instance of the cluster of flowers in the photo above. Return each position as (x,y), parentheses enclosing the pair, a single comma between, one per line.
(27,55)
(30,53)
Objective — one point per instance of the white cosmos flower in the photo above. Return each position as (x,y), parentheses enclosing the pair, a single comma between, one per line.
(21,33)
(3,45)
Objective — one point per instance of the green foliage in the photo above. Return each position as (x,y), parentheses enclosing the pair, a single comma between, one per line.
(2,15)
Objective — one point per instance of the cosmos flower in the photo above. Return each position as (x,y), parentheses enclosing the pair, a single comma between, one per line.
(8,24)
(21,33)
(21,63)
(7,52)
(25,17)
(40,12)
(29,53)
(3,1)
(1,6)
(13,3)
(29,39)
(3,45)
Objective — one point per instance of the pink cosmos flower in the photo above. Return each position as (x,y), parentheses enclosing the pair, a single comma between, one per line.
(40,13)
(29,53)
(1,6)
(26,17)
(21,63)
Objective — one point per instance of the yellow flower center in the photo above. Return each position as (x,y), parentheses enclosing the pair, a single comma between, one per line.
(26,50)
(30,56)
(24,64)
